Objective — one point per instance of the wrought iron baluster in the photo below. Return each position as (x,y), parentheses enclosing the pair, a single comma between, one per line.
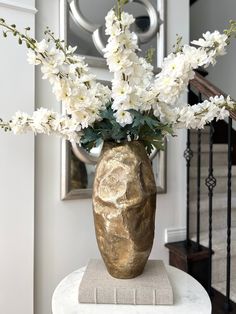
(210,183)
(199,151)
(188,155)
(228,306)
(199,187)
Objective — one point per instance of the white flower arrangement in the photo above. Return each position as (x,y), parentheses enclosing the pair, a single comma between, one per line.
(139,106)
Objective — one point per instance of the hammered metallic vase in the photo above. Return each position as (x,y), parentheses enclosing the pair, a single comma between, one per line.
(124,205)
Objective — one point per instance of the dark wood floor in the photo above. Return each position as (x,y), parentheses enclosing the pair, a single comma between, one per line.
(218,304)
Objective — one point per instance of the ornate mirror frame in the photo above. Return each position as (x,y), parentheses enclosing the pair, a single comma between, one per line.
(98,66)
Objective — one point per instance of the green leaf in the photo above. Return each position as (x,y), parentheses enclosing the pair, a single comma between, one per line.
(148,146)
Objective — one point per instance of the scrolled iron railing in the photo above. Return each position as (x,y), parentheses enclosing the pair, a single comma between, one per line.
(199,89)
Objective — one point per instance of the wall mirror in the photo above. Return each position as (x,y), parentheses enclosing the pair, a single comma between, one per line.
(83,27)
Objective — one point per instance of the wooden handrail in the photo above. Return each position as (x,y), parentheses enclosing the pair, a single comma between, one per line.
(207,89)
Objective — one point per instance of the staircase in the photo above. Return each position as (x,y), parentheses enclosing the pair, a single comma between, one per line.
(219,224)
(208,252)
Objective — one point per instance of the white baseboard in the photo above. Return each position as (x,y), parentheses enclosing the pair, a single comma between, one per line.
(175,234)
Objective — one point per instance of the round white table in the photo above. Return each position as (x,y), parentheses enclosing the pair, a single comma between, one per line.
(189,298)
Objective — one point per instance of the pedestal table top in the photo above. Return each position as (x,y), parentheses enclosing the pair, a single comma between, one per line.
(189,298)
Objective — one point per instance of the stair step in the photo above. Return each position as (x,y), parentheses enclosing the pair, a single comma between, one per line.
(219,202)
(220,154)
(219,236)
(220,171)
(204,137)
(221,287)
(219,241)
(219,220)
(219,268)
(217,148)
(221,185)
(219,246)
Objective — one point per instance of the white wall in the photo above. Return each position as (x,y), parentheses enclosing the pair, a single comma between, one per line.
(211,15)
(16,171)
(65,237)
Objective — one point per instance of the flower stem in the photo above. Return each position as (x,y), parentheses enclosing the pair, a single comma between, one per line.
(120,7)
(30,42)
(231,31)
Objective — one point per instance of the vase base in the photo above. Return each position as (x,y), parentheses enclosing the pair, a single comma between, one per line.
(120,275)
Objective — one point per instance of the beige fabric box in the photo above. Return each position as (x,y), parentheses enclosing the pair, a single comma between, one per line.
(151,288)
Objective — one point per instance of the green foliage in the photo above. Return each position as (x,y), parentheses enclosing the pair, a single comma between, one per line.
(150,55)
(145,128)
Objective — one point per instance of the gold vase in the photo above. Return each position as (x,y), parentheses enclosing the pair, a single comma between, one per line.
(124,205)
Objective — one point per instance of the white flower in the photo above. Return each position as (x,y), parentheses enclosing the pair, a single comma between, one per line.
(215,40)
(82,117)
(41,121)
(32,57)
(20,123)
(175,65)
(195,57)
(58,58)
(110,20)
(120,91)
(215,43)
(47,122)
(146,66)
(168,89)
(197,116)
(120,61)
(41,46)
(230,103)
(49,72)
(164,113)
(71,50)
(133,87)
(123,117)
(126,19)
(113,29)
(132,75)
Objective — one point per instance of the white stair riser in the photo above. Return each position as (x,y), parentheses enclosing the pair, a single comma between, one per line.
(221,186)
(219,220)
